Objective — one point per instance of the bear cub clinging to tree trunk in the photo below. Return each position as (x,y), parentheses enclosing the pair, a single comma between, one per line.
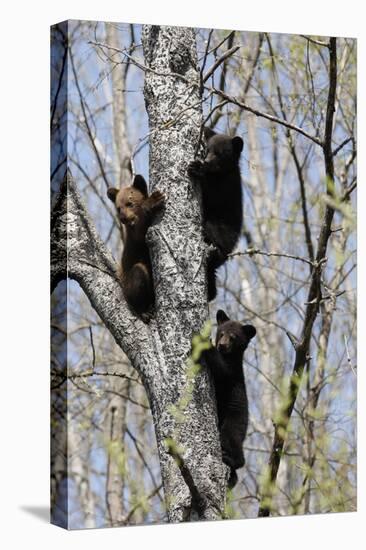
(222,208)
(225,362)
(136,211)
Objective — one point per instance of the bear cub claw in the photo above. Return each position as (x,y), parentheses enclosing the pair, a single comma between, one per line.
(157,200)
(195,169)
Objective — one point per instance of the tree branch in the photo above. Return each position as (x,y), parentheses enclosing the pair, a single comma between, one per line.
(218,62)
(138,64)
(227,37)
(314,41)
(92,265)
(341,145)
(272,118)
(253,251)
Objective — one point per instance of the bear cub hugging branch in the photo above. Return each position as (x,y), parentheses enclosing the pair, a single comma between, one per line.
(136,210)
(222,208)
(225,361)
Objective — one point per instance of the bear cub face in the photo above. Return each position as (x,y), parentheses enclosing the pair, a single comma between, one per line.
(232,337)
(136,210)
(222,152)
(128,204)
(133,204)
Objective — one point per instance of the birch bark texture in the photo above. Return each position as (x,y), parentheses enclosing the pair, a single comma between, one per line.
(177,249)
(159,351)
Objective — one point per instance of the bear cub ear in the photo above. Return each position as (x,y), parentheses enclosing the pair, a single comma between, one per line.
(221,317)
(249,331)
(238,144)
(112,194)
(208,133)
(140,184)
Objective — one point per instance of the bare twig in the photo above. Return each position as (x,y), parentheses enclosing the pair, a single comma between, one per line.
(217,106)
(199,141)
(89,374)
(272,118)
(348,192)
(218,62)
(59,85)
(227,37)
(348,355)
(230,44)
(254,64)
(248,77)
(92,345)
(206,54)
(340,147)
(314,41)
(137,444)
(294,341)
(90,389)
(252,251)
(140,503)
(140,65)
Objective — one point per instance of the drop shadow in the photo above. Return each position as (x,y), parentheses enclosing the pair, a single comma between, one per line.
(40,512)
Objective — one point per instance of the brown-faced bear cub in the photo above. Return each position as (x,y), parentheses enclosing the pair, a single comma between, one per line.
(225,362)
(136,211)
(222,203)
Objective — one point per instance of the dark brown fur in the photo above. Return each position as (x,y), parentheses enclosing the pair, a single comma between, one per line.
(225,362)
(136,211)
(222,209)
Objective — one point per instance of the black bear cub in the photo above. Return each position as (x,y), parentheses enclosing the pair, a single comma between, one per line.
(222,208)
(225,362)
(136,210)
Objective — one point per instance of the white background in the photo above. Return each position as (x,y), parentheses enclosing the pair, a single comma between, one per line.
(24,233)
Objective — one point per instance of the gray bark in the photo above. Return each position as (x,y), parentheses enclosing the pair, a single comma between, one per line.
(177,255)
(159,351)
